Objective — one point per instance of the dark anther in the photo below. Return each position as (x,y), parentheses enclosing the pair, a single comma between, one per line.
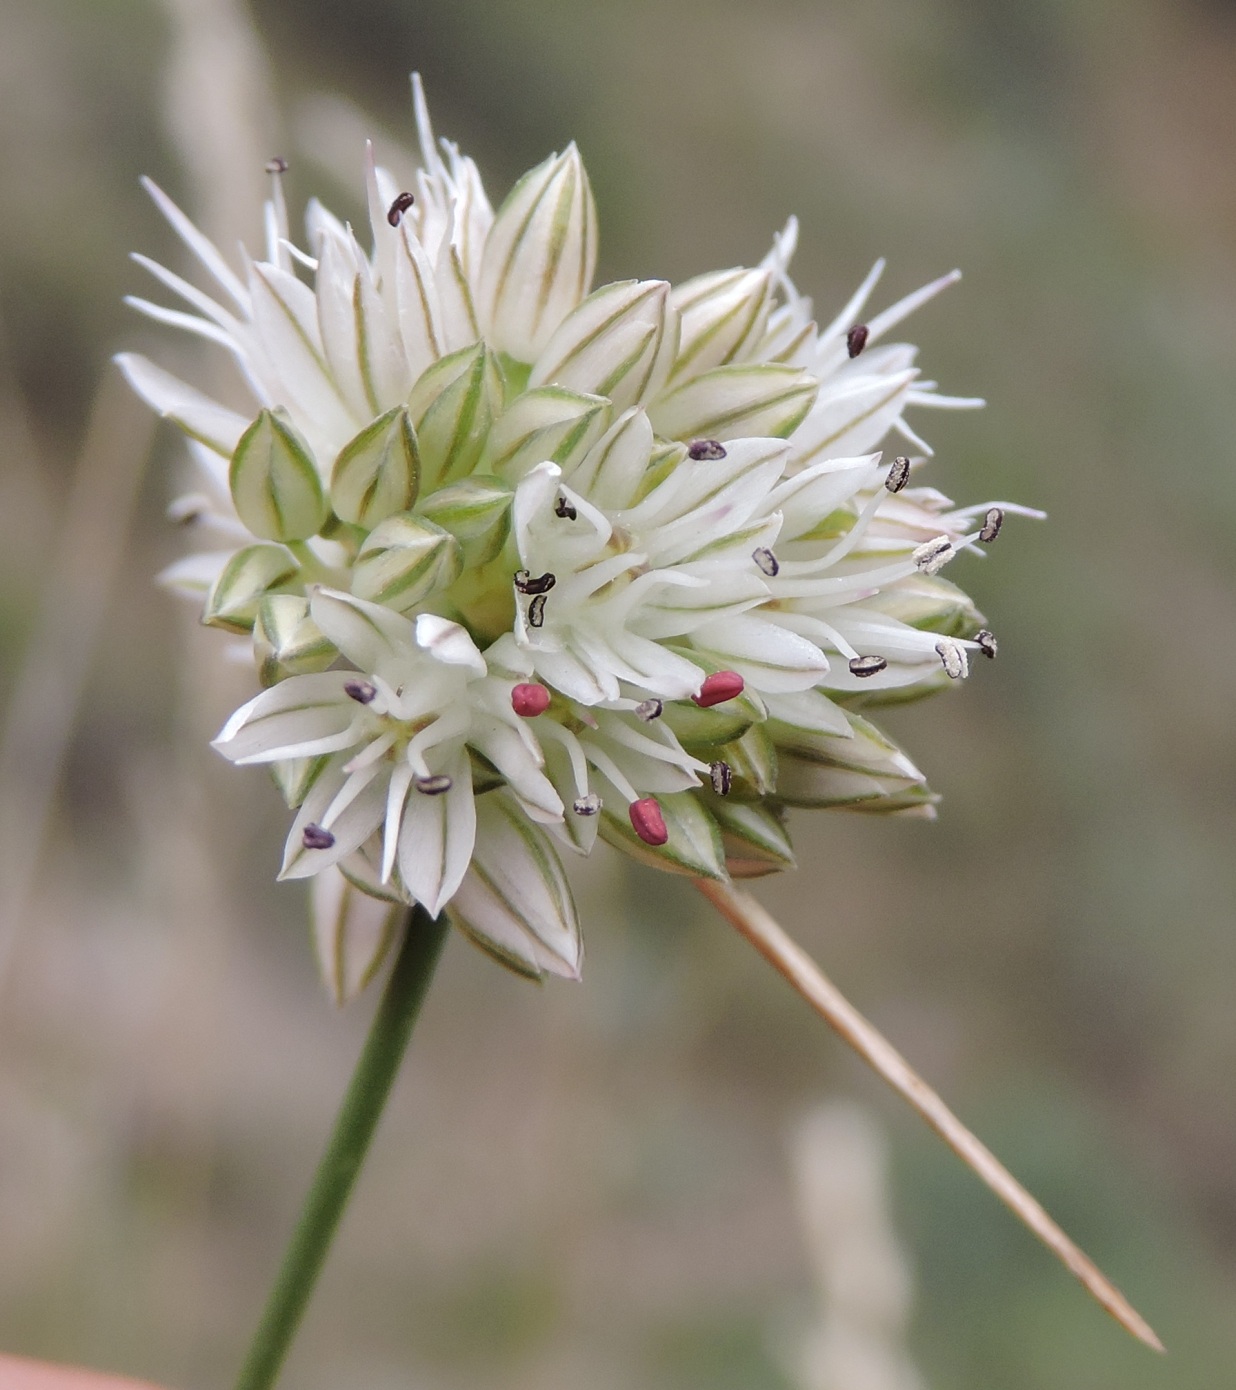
(992,523)
(564,509)
(314,837)
(766,561)
(277,165)
(542,584)
(648,710)
(360,691)
(536,611)
(397,209)
(722,778)
(898,474)
(867,665)
(987,643)
(433,786)
(952,658)
(856,339)
(588,805)
(706,449)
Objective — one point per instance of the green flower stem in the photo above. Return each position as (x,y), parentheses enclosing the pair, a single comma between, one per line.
(349,1142)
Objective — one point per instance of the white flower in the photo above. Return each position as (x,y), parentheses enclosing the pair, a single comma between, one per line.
(526,563)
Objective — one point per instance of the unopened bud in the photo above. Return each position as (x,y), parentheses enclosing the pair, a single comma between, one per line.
(717,688)
(648,822)
(529,700)
(898,474)
(863,666)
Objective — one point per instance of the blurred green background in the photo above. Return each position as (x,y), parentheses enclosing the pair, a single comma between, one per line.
(591,1186)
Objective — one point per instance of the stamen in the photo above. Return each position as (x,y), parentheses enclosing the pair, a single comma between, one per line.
(314,837)
(705,449)
(277,165)
(185,511)
(856,339)
(587,805)
(526,584)
(987,643)
(863,666)
(529,700)
(397,209)
(933,555)
(648,822)
(363,692)
(648,710)
(717,688)
(564,509)
(722,778)
(536,611)
(992,523)
(433,786)
(766,561)
(898,474)
(953,657)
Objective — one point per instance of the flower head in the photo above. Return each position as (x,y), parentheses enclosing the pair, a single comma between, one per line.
(526,562)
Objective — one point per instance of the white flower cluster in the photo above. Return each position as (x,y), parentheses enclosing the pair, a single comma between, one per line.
(523,562)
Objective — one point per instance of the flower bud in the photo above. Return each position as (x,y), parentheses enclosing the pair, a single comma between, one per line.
(693,842)
(539,256)
(619,343)
(378,473)
(452,406)
(929,602)
(477,512)
(514,901)
(754,839)
(864,772)
(549,422)
(294,777)
(734,402)
(286,640)
(275,483)
(352,933)
(247,577)
(404,560)
(723,314)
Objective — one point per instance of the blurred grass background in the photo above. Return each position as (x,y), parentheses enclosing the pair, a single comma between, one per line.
(590,1185)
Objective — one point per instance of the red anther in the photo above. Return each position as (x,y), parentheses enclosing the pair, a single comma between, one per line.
(529,700)
(648,822)
(721,685)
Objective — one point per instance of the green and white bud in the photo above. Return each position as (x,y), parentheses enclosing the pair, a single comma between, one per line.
(477,512)
(274,481)
(352,933)
(694,844)
(931,603)
(452,407)
(619,343)
(286,640)
(765,400)
(724,314)
(539,256)
(514,901)
(404,560)
(549,422)
(752,761)
(755,841)
(295,776)
(866,771)
(251,574)
(378,472)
